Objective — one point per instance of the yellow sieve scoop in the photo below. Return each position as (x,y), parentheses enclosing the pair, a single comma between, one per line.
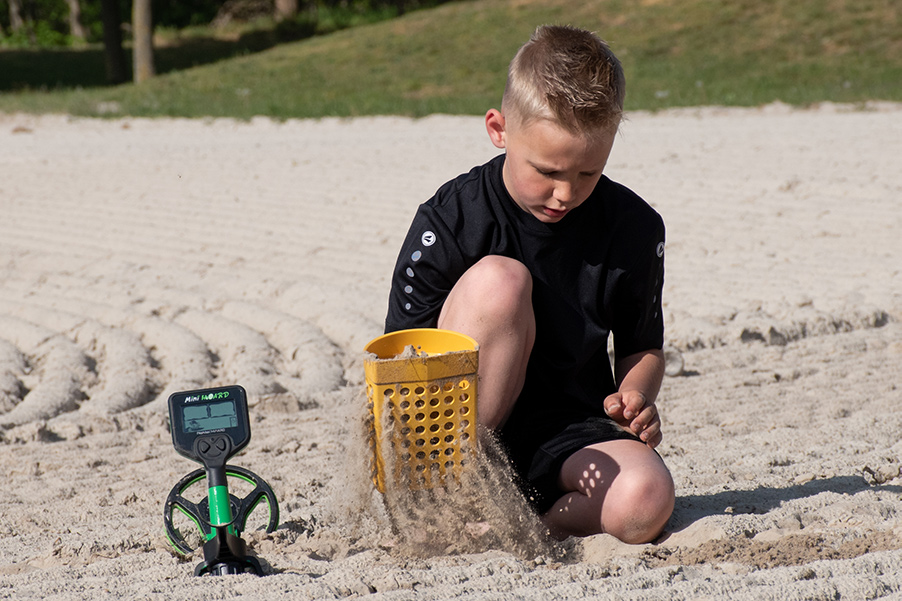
(421,387)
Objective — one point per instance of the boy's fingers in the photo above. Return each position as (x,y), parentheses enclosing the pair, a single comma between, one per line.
(654,440)
(648,427)
(650,434)
(633,404)
(613,405)
(645,420)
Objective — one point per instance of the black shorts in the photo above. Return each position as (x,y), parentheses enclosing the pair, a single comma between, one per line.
(538,464)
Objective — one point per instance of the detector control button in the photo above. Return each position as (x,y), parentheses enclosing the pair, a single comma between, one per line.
(213,447)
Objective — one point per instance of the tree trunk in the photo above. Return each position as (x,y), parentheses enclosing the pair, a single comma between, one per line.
(76,29)
(15,15)
(142,30)
(286,9)
(116,69)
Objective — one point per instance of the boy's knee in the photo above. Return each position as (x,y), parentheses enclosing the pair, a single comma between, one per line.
(498,285)
(502,273)
(642,508)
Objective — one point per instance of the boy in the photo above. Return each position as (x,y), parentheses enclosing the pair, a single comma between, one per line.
(538,257)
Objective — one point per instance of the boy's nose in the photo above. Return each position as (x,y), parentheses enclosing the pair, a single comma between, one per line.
(564,192)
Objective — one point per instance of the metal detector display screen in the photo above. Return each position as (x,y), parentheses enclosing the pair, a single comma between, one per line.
(214,416)
(209,414)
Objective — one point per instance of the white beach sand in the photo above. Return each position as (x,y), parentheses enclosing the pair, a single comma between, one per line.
(141,257)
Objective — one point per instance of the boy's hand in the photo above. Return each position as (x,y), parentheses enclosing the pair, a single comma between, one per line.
(631,410)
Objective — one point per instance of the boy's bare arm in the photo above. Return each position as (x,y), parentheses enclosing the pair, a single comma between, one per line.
(633,405)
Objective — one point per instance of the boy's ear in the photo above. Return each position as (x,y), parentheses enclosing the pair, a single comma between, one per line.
(496,128)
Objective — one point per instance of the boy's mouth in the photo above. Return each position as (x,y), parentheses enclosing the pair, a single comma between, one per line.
(554,213)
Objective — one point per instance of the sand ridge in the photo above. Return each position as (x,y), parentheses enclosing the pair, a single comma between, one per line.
(139,257)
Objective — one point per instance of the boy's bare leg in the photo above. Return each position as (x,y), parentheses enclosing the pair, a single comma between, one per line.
(492,303)
(620,487)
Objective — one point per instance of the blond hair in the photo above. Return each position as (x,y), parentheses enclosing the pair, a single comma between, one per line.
(568,75)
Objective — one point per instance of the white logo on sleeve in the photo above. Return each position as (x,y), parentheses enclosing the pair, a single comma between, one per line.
(428,238)
(660,249)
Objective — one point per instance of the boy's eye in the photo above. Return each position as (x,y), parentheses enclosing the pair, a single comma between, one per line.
(553,173)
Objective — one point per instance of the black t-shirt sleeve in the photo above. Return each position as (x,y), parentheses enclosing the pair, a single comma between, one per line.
(428,266)
(640,322)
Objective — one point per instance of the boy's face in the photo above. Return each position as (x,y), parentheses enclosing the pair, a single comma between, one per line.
(548,171)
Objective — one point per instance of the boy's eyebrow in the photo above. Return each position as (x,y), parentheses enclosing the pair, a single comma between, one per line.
(543,167)
(548,169)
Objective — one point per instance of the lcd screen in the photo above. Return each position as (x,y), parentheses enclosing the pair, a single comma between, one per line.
(215,416)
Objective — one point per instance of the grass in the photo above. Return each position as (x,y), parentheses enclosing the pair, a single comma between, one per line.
(452,59)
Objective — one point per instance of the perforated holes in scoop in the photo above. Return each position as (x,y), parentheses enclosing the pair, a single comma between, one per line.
(434,428)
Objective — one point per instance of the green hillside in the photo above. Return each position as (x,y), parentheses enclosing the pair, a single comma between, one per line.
(452,59)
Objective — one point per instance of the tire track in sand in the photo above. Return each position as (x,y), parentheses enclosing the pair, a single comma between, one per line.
(125,375)
(242,354)
(311,361)
(60,372)
(12,368)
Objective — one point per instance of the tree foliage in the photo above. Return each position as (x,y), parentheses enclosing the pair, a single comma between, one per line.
(46,22)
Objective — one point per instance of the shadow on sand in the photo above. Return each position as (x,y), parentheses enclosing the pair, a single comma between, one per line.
(691,508)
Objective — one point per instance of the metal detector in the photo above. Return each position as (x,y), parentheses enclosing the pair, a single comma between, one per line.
(210,426)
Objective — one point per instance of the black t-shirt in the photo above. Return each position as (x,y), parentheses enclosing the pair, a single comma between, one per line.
(599,270)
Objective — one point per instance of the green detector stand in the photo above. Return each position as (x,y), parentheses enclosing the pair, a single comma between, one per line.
(210,426)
